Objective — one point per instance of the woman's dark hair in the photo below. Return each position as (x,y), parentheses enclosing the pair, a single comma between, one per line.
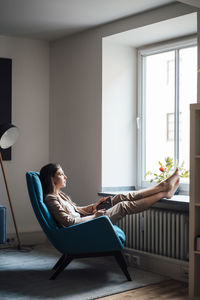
(46,174)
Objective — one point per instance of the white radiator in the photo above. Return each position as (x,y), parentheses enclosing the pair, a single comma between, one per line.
(158,231)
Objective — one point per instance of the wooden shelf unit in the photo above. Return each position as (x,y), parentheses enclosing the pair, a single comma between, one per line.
(194,255)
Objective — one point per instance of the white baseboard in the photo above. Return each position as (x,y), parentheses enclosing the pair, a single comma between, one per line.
(173,268)
(26,238)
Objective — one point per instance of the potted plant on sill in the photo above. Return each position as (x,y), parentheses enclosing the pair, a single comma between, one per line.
(166,169)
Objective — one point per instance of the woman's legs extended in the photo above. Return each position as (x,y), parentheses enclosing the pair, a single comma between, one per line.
(167,186)
(124,208)
(164,186)
(123,205)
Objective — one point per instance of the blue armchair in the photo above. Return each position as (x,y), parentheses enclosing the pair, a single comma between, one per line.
(98,237)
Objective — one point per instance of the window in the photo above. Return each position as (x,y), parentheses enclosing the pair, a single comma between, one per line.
(167,86)
(170,126)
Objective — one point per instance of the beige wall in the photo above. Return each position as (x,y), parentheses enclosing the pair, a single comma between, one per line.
(119,99)
(30,112)
(75,113)
(76,100)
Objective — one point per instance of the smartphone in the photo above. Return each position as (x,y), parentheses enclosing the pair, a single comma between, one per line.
(105,205)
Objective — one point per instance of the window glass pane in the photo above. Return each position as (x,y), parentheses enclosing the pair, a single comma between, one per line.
(188,94)
(159,96)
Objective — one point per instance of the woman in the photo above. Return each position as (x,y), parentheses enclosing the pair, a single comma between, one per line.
(67,213)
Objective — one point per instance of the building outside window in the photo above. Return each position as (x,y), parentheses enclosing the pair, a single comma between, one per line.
(167,86)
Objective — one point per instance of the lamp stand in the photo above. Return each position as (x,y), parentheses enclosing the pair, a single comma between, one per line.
(11,207)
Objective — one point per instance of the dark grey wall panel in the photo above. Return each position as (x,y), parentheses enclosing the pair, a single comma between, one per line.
(5,97)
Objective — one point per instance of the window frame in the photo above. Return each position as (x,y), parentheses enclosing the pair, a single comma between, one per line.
(142,52)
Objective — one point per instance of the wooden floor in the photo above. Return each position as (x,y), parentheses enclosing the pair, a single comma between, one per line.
(170,289)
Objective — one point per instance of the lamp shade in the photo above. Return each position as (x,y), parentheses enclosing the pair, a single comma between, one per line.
(8,135)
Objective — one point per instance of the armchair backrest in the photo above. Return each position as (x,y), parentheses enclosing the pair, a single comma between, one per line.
(36,196)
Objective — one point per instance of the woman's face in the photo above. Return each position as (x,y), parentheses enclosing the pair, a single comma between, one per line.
(59,179)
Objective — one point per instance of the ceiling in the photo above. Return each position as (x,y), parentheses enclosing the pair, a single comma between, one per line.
(53,19)
(195,3)
(154,33)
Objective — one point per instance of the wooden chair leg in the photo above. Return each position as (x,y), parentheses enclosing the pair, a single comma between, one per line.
(66,261)
(61,259)
(122,263)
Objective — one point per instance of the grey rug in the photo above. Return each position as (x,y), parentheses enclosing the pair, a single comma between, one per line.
(24,275)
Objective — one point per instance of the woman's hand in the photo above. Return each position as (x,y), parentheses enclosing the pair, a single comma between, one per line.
(98,202)
(99,213)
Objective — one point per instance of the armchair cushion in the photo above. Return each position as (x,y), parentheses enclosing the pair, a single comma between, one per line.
(120,233)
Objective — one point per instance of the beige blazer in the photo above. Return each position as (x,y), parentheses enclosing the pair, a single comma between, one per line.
(58,209)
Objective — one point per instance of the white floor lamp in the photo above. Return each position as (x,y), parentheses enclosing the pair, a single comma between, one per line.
(8,137)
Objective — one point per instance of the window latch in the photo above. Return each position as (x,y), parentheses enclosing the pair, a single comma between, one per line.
(138,122)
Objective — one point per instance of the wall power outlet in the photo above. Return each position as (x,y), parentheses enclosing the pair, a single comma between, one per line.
(132,260)
(135,260)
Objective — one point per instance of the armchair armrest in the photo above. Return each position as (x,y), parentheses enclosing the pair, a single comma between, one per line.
(97,235)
